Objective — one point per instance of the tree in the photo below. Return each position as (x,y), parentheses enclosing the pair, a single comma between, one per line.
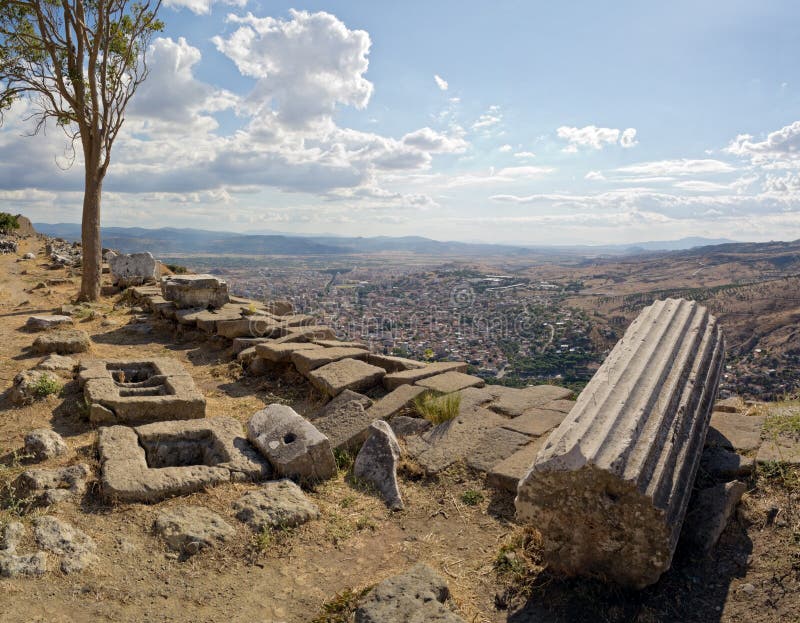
(8,223)
(78,62)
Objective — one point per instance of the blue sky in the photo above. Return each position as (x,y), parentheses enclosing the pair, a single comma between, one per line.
(524,122)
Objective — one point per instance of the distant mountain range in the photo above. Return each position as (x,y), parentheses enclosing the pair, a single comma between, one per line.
(198,241)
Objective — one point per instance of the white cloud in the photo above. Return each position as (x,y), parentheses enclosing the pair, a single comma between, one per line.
(524,155)
(628,138)
(490,118)
(680,167)
(505,175)
(701,186)
(431,141)
(591,136)
(781,148)
(201,7)
(505,148)
(440,82)
(595,175)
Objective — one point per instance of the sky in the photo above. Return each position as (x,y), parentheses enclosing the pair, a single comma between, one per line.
(523,122)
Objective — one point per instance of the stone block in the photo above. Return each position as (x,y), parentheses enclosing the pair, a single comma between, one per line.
(278,504)
(282,352)
(515,403)
(62,342)
(187,291)
(133,270)
(506,474)
(738,432)
(189,529)
(345,422)
(377,461)
(393,364)
(411,376)
(450,382)
(307,360)
(394,402)
(334,378)
(721,464)
(781,449)
(494,446)
(709,512)
(44,322)
(535,422)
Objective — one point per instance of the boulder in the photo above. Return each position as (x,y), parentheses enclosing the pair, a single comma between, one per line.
(377,463)
(57,363)
(277,504)
(43,444)
(46,487)
(13,563)
(188,529)
(31,385)
(416,596)
(187,291)
(292,445)
(134,269)
(44,322)
(62,342)
(75,547)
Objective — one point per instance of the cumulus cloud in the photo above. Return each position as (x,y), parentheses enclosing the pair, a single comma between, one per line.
(780,149)
(431,141)
(440,82)
(201,7)
(490,118)
(505,148)
(524,155)
(591,136)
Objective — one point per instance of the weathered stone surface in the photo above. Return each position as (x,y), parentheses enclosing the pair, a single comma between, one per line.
(42,323)
(416,596)
(42,444)
(62,342)
(188,529)
(57,363)
(29,386)
(535,422)
(45,487)
(187,291)
(403,425)
(279,307)
(722,464)
(453,440)
(334,378)
(247,326)
(13,563)
(246,356)
(734,404)
(709,512)
(393,364)
(738,432)
(307,360)
(395,401)
(293,446)
(781,449)
(277,504)
(564,406)
(341,344)
(74,546)
(243,343)
(506,474)
(494,446)
(139,391)
(345,421)
(156,461)
(610,488)
(134,269)
(307,334)
(377,463)
(283,352)
(515,403)
(411,376)
(450,382)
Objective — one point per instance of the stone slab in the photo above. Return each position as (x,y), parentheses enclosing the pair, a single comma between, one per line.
(334,378)
(307,360)
(738,432)
(506,474)
(780,450)
(722,464)
(516,403)
(277,504)
(391,363)
(450,382)
(394,402)
(409,377)
(282,352)
(535,422)
(496,445)
(62,342)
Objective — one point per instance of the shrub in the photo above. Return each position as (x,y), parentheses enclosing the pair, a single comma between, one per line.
(8,223)
(45,386)
(472,497)
(438,409)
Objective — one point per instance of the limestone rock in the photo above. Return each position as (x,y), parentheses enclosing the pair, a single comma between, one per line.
(293,446)
(187,291)
(43,444)
(133,270)
(506,474)
(189,529)
(277,504)
(334,378)
(393,364)
(395,402)
(75,547)
(449,382)
(279,308)
(709,512)
(377,463)
(416,596)
(45,487)
(345,421)
(307,360)
(62,342)
(515,403)
(494,446)
(535,422)
(609,490)
(57,363)
(414,375)
(13,563)
(282,352)
(42,323)
(29,256)
(403,425)
(337,407)
(734,431)
(29,386)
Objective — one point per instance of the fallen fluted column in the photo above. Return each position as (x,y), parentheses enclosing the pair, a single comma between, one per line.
(609,489)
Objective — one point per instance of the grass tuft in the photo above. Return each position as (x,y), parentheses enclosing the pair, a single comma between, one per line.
(472,497)
(438,409)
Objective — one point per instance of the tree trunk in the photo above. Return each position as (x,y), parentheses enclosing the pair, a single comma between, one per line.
(90,235)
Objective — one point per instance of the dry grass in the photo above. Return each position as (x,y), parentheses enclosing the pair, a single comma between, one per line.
(438,409)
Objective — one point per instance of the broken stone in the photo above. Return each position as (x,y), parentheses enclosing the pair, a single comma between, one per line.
(409,377)
(403,426)
(29,256)
(609,490)
(42,323)
(722,464)
(709,512)
(339,405)
(341,344)
(307,360)
(133,270)
(195,291)
(506,474)
(416,596)
(293,446)
(494,446)
(57,363)
(279,308)
(450,382)
(31,385)
(246,356)
(13,564)
(46,487)
(153,462)
(377,463)
(737,432)
(74,546)
(243,343)
(62,342)
(346,423)
(136,392)
(277,504)
(515,403)
(43,444)
(334,378)
(188,529)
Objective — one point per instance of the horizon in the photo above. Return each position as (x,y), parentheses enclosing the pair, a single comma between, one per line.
(511,124)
